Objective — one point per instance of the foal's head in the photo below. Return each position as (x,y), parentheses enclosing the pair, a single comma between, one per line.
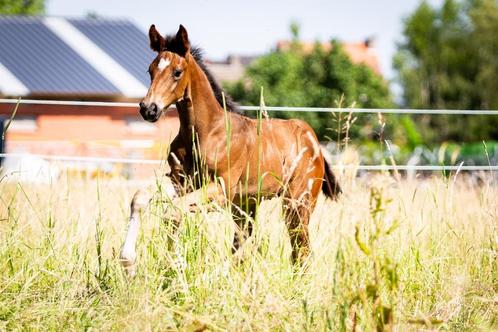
(168,73)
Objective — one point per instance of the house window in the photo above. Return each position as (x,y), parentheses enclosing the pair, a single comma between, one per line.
(139,125)
(22,123)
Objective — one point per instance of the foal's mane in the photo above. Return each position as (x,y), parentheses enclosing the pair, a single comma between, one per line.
(231,106)
(198,55)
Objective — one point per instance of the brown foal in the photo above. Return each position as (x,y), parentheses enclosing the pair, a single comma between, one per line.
(245,159)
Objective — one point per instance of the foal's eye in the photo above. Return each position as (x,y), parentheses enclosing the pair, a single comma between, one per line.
(177,73)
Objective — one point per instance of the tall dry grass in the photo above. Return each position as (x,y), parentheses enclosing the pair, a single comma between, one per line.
(407,255)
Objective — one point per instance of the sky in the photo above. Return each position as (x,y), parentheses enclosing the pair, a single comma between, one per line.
(223,27)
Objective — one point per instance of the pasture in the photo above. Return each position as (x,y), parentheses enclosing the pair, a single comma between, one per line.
(402,255)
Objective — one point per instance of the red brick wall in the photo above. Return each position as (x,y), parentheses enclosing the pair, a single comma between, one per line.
(88,131)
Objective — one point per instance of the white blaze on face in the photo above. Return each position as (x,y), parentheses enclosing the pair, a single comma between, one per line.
(163,63)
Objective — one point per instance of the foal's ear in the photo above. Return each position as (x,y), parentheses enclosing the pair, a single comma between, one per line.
(182,41)
(157,42)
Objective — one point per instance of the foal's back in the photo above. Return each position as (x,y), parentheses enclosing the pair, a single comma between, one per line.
(286,154)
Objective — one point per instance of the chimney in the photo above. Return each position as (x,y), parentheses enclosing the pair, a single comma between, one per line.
(369,42)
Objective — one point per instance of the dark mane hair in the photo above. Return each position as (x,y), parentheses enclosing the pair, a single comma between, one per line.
(218,91)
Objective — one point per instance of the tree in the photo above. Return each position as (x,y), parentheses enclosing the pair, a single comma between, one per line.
(448,61)
(22,7)
(321,78)
(484,16)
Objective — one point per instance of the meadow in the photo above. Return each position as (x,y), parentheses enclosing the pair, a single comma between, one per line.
(401,255)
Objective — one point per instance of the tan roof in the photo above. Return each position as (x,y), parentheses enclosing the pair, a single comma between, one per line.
(233,68)
(230,70)
(361,52)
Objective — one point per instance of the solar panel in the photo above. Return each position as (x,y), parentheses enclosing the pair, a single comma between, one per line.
(123,41)
(45,64)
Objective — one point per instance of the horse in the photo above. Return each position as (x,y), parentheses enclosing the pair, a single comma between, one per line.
(245,159)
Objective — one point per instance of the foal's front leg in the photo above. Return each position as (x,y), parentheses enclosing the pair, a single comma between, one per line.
(213,192)
(128,254)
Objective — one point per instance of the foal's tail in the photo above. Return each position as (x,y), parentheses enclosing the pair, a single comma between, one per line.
(330,186)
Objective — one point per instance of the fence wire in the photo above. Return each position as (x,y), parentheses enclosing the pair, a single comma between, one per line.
(267,108)
(102,160)
(257,108)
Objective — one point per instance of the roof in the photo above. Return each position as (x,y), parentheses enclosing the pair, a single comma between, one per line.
(359,52)
(52,56)
(231,69)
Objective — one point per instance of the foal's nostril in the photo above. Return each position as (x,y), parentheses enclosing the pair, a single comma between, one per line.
(142,105)
(149,112)
(153,109)
(143,108)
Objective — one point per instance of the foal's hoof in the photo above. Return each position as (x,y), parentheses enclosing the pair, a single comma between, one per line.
(130,271)
(127,260)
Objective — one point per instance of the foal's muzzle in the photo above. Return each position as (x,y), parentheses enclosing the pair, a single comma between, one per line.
(150,113)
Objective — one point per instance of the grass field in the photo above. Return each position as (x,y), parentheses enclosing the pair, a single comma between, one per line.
(407,255)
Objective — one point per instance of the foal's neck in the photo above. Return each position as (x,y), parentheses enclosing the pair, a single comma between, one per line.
(206,112)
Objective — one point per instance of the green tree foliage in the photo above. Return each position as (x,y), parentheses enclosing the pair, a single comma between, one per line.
(318,79)
(22,7)
(449,60)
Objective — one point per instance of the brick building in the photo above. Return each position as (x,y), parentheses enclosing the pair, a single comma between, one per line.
(85,60)
(91,60)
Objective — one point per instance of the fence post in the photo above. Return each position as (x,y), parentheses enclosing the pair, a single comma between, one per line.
(2,140)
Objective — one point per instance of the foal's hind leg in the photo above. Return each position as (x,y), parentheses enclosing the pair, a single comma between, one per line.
(297,216)
(243,224)
(128,254)
(140,201)
(299,202)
